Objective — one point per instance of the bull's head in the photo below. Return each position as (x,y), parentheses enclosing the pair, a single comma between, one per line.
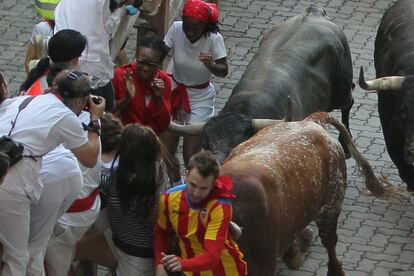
(399,92)
(222,133)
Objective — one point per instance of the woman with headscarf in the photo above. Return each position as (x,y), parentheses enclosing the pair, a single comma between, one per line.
(198,54)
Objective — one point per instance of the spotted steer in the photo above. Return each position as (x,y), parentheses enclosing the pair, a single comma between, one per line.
(286,176)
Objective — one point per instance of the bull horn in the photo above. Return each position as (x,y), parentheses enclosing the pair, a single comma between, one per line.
(289,110)
(384,83)
(258,124)
(186,129)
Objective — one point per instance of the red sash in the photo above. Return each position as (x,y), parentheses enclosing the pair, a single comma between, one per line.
(83,204)
(179,95)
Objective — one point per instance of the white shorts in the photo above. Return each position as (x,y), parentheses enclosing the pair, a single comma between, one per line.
(127,264)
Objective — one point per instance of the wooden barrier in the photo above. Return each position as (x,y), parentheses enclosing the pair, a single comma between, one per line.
(169,11)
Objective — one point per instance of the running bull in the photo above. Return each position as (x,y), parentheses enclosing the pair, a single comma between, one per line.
(394,66)
(306,58)
(286,176)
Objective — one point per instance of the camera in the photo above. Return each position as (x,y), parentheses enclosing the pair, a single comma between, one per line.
(95,100)
(12,148)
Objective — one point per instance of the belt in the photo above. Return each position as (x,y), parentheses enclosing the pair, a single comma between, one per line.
(179,95)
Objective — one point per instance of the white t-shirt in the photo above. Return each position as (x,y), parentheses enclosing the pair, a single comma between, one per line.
(91,180)
(43,28)
(58,164)
(93,19)
(187,69)
(43,125)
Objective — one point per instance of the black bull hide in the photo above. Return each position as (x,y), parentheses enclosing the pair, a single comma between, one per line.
(394,55)
(306,58)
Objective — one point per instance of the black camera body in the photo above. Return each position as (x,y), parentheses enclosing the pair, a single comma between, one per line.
(12,148)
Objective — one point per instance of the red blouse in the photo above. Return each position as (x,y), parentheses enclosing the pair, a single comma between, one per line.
(137,111)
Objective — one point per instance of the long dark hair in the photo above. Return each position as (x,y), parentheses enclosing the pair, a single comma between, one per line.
(63,46)
(4,164)
(136,177)
(2,93)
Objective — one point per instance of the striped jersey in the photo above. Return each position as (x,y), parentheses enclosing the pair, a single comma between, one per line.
(197,228)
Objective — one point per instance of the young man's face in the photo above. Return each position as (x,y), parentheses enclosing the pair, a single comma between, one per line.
(198,187)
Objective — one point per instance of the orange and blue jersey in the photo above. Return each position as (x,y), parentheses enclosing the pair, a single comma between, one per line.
(207,247)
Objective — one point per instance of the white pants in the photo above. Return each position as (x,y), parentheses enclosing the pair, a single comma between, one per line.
(61,248)
(127,264)
(19,190)
(14,232)
(57,196)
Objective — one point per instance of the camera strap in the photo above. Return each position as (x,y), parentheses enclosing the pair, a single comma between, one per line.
(21,107)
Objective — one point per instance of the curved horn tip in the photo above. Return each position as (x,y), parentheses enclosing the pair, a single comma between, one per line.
(362,82)
(289,110)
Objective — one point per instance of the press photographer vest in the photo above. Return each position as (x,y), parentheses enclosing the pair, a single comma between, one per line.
(46,8)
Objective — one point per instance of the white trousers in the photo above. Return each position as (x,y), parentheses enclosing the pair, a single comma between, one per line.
(127,264)
(61,248)
(14,231)
(57,196)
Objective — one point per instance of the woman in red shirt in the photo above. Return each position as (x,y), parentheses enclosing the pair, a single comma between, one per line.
(142,89)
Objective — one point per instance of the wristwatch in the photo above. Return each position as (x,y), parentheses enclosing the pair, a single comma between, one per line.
(93,126)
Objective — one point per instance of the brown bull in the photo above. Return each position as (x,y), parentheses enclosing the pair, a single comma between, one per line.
(286,176)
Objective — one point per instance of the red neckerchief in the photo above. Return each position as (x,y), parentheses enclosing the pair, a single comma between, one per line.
(223,189)
(51,23)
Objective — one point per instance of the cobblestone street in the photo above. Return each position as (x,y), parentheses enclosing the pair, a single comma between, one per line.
(375,236)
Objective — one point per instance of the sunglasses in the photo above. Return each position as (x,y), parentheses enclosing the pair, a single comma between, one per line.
(95,81)
(151,65)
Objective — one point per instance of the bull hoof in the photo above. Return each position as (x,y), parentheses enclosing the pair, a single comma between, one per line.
(336,272)
(305,239)
(293,258)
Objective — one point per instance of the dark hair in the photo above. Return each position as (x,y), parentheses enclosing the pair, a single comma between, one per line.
(156,43)
(206,164)
(2,93)
(66,45)
(211,28)
(54,70)
(72,84)
(111,129)
(136,179)
(208,29)
(63,46)
(4,164)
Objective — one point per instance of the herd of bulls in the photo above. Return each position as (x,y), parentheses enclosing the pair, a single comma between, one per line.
(287,174)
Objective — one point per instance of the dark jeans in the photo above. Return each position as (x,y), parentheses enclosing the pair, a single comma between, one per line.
(106,92)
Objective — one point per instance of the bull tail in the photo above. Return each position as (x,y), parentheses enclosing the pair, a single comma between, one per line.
(379,187)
